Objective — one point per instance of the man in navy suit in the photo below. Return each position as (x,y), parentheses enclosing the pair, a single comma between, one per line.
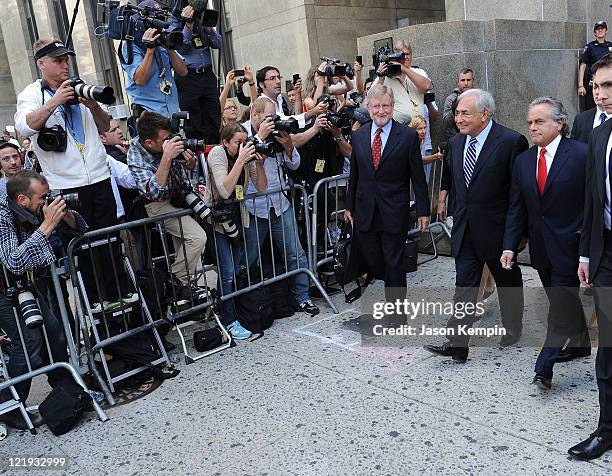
(386,157)
(480,160)
(595,266)
(547,194)
(586,121)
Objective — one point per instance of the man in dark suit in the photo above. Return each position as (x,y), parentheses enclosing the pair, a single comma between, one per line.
(481,158)
(595,267)
(586,121)
(386,157)
(547,194)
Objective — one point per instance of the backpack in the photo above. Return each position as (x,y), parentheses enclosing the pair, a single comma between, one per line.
(349,264)
(283,302)
(254,308)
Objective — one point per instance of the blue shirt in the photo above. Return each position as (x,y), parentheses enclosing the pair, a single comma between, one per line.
(199,57)
(480,139)
(149,95)
(384,135)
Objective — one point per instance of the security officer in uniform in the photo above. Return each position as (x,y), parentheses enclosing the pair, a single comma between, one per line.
(591,53)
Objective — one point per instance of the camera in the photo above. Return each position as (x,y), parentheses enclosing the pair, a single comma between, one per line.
(268,147)
(71,199)
(337,119)
(289,125)
(103,94)
(192,144)
(53,139)
(205,16)
(223,215)
(333,67)
(29,311)
(187,196)
(171,40)
(178,121)
(385,55)
(161,21)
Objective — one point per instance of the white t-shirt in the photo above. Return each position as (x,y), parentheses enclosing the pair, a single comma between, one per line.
(409,99)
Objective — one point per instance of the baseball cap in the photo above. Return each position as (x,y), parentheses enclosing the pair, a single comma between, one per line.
(55,48)
(600,24)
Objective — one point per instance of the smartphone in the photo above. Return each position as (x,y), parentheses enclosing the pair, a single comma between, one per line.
(295,78)
(359,60)
(288,85)
(238,73)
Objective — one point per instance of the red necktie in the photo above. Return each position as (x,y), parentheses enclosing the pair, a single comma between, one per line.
(542,173)
(376,148)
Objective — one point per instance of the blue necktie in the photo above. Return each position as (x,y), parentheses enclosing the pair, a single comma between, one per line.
(602,118)
(470,161)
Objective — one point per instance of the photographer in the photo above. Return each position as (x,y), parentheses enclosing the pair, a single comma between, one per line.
(158,166)
(198,91)
(11,162)
(150,83)
(64,129)
(27,222)
(229,112)
(408,88)
(318,84)
(275,212)
(232,166)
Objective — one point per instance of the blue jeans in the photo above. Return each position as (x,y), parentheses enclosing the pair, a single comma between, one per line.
(34,342)
(291,248)
(228,260)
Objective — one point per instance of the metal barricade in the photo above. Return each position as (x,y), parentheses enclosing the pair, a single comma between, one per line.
(260,264)
(325,219)
(36,339)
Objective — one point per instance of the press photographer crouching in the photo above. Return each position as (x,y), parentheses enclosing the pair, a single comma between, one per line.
(275,212)
(158,162)
(232,167)
(28,218)
(63,118)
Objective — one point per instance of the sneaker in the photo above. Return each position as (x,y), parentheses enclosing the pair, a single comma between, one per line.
(96,308)
(309,308)
(238,332)
(130,298)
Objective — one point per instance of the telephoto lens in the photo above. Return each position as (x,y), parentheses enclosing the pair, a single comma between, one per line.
(29,309)
(232,232)
(194,144)
(71,199)
(193,201)
(103,94)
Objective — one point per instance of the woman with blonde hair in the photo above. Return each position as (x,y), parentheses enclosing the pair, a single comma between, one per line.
(420,125)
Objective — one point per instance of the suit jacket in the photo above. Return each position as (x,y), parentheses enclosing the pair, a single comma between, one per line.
(554,219)
(591,237)
(583,125)
(482,208)
(386,190)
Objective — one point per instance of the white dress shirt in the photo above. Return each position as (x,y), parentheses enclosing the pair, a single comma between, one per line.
(597,120)
(480,140)
(551,150)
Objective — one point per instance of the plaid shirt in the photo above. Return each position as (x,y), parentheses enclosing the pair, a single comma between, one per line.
(143,166)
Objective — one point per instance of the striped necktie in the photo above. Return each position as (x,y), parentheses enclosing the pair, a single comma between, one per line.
(470,161)
(602,118)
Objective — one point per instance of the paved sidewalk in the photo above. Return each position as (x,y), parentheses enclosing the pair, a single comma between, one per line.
(308,399)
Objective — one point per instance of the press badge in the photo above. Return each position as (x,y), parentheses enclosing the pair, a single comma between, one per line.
(239,192)
(197,42)
(320,165)
(165,87)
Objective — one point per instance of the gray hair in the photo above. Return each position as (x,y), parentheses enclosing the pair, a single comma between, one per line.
(484,101)
(380,90)
(557,111)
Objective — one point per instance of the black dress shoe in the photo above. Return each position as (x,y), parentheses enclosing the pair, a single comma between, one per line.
(14,419)
(542,382)
(591,448)
(509,339)
(458,354)
(567,355)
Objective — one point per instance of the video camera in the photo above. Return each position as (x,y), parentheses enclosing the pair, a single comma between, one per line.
(335,67)
(202,15)
(385,55)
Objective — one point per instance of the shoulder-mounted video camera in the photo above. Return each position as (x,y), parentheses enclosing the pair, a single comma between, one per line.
(335,67)
(387,56)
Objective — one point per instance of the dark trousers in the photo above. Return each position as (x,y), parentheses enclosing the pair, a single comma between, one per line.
(384,254)
(33,344)
(603,364)
(199,95)
(106,278)
(468,274)
(566,318)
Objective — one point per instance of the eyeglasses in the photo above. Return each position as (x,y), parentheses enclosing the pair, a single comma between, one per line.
(274,78)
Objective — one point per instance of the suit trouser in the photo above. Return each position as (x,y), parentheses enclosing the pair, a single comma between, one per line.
(468,274)
(603,364)
(384,254)
(199,95)
(565,318)
(188,239)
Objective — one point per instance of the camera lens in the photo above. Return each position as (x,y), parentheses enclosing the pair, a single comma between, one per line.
(29,309)
(197,205)
(231,231)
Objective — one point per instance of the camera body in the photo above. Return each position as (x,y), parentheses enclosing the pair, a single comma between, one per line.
(385,55)
(71,199)
(192,144)
(53,139)
(21,293)
(188,197)
(289,125)
(269,147)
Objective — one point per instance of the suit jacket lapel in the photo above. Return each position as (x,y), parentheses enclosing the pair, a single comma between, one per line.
(458,165)
(367,146)
(560,159)
(532,167)
(392,142)
(486,151)
(600,158)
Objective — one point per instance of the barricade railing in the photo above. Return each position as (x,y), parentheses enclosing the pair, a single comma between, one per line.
(269,249)
(37,338)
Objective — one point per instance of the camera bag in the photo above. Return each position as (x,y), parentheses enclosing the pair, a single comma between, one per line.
(283,302)
(349,263)
(411,253)
(207,339)
(254,309)
(64,406)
